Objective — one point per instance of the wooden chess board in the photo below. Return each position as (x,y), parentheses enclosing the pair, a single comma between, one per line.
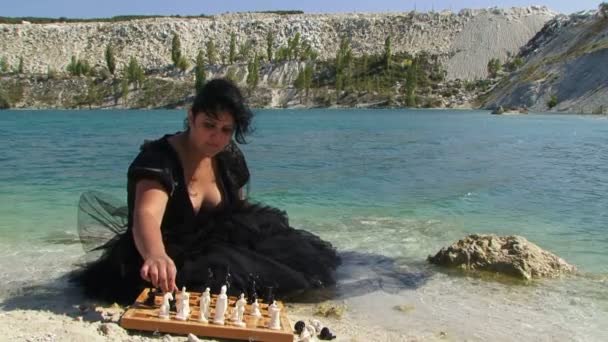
(145,317)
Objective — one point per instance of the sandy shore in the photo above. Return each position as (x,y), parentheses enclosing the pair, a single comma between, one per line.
(85,322)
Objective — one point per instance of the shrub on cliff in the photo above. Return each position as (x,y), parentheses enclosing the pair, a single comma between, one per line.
(4,104)
(3,65)
(78,67)
(269,45)
(552,101)
(20,68)
(493,67)
(176,50)
(134,73)
(211,52)
(199,71)
(110,60)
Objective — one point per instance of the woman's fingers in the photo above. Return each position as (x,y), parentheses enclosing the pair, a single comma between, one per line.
(171,273)
(161,272)
(162,278)
(153,272)
(144,272)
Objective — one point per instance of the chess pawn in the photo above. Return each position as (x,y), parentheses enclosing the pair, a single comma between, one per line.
(183,305)
(255,309)
(275,321)
(205,305)
(221,306)
(165,306)
(239,310)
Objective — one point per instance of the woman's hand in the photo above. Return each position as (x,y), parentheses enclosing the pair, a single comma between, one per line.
(160,271)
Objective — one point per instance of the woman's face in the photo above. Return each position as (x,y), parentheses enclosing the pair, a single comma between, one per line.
(209,135)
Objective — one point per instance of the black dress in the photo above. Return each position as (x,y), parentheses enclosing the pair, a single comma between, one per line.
(235,242)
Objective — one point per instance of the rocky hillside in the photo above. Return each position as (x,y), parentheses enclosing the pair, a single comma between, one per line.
(465,41)
(565,68)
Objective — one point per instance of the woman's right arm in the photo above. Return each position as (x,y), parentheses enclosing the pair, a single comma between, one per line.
(150,203)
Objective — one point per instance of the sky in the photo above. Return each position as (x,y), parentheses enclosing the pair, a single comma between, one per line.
(109,8)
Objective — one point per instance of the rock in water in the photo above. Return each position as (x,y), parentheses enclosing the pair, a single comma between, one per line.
(510,255)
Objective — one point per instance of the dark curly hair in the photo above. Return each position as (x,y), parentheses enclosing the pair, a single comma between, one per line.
(222,95)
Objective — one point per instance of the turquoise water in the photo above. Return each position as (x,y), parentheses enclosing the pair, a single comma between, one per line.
(397,183)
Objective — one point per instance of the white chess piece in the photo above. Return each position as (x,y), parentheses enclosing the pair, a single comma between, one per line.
(255,309)
(165,306)
(275,321)
(204,306)
(306,335)
(317,325)
(220,306)
(239,310)
(183,305)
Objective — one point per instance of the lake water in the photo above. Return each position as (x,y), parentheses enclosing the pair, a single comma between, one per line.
(395,184)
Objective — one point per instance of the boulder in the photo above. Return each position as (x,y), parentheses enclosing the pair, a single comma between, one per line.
(510,255)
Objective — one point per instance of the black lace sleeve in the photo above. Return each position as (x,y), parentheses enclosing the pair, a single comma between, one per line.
(236,166)
(152,163)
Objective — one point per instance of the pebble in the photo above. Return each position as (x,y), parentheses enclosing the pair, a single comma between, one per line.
(192,338)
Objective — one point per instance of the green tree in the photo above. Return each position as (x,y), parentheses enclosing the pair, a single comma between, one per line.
(199,77)
(110,60)
(299,82)
(307,53)
(232,53)
(410,84)
(211,52)
(94,96)
(4,103)
(116,91)
(388,52)
(343,66)
(515,64)
(282,54)
(176,50)
(269,45)
(183,64)
(3,65)
(124,90)
(308,71)
(20,68)
(51,73)
(231,74)
(134,73)
(78,67)
(493,67)
(552,101)
(245,50)
(294,46)
(253,72)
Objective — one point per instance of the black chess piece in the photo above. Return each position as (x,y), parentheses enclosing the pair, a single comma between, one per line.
(299,327)
(210,279)
(151,297)
(172,302)
(326,334)
(228,279)
(269,294)
(252,294)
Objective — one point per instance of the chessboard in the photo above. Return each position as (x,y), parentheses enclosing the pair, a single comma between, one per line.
(145,317)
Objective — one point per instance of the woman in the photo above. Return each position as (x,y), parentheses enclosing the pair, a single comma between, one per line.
(188,223)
